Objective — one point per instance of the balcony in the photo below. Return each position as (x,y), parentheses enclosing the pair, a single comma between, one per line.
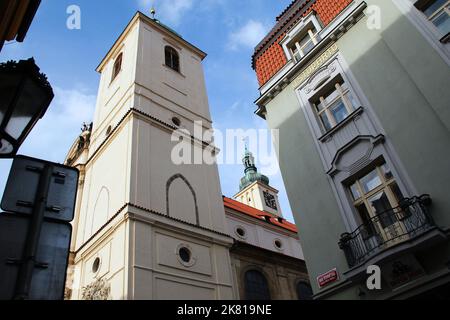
(393,228)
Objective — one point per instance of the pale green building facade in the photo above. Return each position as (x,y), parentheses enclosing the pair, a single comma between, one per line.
(364,150)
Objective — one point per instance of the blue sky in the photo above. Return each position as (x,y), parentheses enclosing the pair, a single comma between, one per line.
(226,29)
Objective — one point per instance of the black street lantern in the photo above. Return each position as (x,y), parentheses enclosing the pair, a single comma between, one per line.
(25,95)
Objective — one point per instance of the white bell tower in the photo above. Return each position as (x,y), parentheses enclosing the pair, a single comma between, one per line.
(146,228)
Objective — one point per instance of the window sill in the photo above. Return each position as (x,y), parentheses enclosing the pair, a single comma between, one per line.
(174,71)
(342,124)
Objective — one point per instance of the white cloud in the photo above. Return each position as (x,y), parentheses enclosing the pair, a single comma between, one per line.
(55,133)
(248,36)
(168,11)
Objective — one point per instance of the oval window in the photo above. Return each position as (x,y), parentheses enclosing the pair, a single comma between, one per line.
(278,244)
(241,232)
(176,121)
(96,265)
(185,254)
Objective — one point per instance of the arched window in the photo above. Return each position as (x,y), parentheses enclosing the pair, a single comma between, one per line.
(304,291)
(256,286)
(117,66)
(172,58)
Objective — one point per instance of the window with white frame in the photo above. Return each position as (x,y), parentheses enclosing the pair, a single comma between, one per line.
(304,43)
(303,37)
(334,103)
(438,12)
(375,196)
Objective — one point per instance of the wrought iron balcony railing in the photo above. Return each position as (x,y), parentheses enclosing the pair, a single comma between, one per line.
(390,228)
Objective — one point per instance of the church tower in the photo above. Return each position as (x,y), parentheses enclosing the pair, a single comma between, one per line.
(146,228)
(255,190)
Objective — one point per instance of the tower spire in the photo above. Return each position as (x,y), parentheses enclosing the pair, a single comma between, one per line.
(251,171)
(153,12)
(245,144)
(255,189)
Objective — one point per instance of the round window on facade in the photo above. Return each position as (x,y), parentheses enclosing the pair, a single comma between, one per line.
(96,265)
(278,244)
(185,255)
(241,232)
(176,121)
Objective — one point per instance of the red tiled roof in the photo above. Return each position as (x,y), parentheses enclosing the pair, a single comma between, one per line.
(269,56)
(258,214)
(286,10)
(283,22)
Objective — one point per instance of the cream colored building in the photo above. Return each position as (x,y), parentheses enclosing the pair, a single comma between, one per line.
(146,228)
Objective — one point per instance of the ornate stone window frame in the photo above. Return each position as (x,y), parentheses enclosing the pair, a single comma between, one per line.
(302,27)
(365,148)
(328,72)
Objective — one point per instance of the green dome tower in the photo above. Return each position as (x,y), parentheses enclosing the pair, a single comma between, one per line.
(251,172)
(255,189)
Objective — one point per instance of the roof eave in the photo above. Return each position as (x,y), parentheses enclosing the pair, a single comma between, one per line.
(141,16)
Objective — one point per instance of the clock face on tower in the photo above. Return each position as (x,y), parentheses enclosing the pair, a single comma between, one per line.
(270,200)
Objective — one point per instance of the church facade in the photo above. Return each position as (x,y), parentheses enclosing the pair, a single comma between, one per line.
(146,228)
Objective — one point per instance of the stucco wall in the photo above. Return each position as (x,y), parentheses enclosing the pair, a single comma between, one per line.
(158,274)
(308,189)
(406,83)
(404,80)
(264,237)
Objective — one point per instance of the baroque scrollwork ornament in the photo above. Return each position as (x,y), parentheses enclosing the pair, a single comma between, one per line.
(98,290)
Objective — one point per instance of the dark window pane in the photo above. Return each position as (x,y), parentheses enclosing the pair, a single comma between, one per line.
(172,59)
(256,286)
(387,171)
(307,45)
(397,192)
(383,209)
(325,121)
(371,181)
(185,255)
(168,58)
(442,22)
(117,66)
(433,7)
(339,111)
(368,229)
(355,192)
(331,96)
(304,291)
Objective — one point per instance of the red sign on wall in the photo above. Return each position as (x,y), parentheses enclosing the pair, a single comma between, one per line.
(328,278)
